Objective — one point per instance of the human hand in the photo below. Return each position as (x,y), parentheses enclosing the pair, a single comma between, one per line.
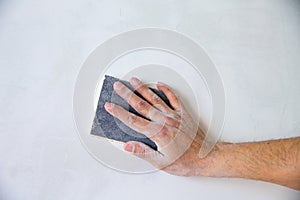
(173,130)
(179,140)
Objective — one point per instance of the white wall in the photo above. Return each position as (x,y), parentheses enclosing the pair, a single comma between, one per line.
(255,45)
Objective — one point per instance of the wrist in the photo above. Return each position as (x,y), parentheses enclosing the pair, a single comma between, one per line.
(226,161)
(215,162)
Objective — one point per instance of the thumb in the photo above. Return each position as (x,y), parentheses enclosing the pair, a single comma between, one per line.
(143,151)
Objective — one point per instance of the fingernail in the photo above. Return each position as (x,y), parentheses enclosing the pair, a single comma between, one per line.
(117,85)
(108,105)
(160,84)
(134,81)
(129,147)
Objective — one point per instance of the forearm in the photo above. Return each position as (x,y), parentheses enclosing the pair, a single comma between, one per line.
(276,161)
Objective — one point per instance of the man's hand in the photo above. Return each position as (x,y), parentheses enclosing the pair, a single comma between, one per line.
(172,129)
(179,140)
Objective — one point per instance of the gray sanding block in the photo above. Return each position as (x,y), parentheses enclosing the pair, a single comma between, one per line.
(105,125)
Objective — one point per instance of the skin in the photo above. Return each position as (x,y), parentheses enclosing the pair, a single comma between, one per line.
(179,140)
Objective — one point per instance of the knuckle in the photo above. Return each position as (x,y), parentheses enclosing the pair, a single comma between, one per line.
(125,93)
(168,90)
(156,100)
(177,117)
(168,120)
(172,122)
(163,132)
(142,105)
(115,110)
(139,151)
(132,119)
(142,88)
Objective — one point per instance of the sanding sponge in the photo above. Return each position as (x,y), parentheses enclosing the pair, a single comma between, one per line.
(105,125)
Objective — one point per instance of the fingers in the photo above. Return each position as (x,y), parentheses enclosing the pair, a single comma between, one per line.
(142,106)
(133,121)
(149,95)
(161,134)
(163,127)
(143,151)
(170,95)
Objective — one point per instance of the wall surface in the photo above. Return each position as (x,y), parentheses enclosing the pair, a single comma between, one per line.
(254,44)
